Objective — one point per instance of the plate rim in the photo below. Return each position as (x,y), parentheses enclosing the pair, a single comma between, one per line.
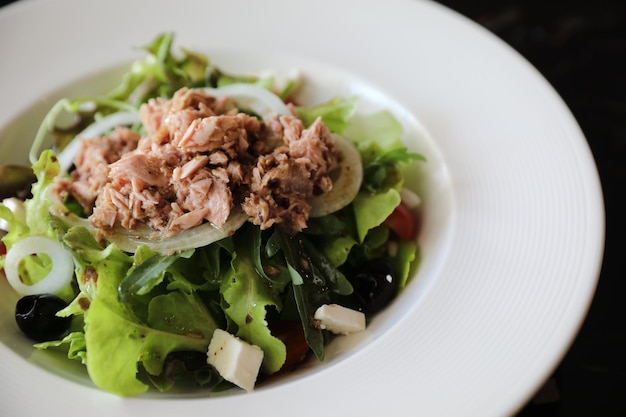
(584,293)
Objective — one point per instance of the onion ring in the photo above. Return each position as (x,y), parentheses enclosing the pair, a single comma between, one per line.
(59,276)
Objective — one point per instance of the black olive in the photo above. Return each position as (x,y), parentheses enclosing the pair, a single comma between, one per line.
(36,317)
(375,284)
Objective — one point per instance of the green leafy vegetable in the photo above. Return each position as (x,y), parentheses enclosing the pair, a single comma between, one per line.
(403,261)
(160,73)
(137,315)
(248,297)
(371,210)
(74,343)
(147,274)
(334,113)
(309,291)
(119,336)
(36,221)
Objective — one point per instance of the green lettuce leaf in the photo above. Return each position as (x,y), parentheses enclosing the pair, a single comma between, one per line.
(36,222)
(248,296)
(403,261)
(181,313)
(374,134)
(371,210)
(378,137)
(117,341)
(37,217)
(334,113)
(73,344)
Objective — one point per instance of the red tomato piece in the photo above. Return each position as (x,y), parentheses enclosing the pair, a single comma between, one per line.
(3,251)
(290,332)
(291,100)
(402,222)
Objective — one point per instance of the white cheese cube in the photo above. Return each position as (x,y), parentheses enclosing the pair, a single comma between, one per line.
(236,361)
(339,319)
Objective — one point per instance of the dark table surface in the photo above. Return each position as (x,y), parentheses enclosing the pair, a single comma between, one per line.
(579,47)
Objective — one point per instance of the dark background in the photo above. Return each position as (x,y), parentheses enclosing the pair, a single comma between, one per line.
(579,47)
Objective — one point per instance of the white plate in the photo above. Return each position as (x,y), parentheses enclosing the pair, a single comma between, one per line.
(514,221)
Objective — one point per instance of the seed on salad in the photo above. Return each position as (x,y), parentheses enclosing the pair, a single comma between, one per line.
(36,317)
(375,284)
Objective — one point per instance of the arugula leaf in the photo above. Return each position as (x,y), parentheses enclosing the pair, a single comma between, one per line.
(147,274)
(203,271)
(323,268)
(334,235)
(266,264)
(161,73)
(309,290)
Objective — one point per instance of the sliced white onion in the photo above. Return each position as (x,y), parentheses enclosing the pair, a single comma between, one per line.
(346,186)
(57,279)
(96,129)
(252,97)
(196,237)
(130,240)
(58,209)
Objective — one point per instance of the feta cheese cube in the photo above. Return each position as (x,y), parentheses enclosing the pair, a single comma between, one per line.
(236,361)
(339,319)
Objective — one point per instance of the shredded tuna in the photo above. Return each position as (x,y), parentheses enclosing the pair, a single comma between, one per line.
(199,158)
(92,166)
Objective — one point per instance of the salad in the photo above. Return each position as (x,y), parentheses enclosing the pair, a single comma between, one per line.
(198,227)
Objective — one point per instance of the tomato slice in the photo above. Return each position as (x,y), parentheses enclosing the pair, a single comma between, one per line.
(402,222)
(3,251)
(290,332)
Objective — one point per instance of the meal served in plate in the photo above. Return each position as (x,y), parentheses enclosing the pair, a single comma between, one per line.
(197,226)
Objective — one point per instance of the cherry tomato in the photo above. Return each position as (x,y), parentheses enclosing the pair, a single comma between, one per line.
(290,332)
(402,222)
(3,251)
